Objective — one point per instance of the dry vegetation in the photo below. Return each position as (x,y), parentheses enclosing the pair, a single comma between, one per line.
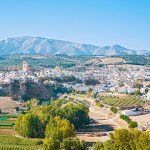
(108,60)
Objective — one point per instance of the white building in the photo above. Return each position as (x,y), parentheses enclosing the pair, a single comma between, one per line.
(131,112)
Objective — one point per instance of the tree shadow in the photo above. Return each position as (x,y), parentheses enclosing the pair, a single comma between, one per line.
(96,128)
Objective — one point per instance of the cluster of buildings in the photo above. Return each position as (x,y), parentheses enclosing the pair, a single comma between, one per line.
(111,78)
(115,79)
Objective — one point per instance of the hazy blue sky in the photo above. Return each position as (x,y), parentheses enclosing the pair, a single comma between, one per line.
(100,22)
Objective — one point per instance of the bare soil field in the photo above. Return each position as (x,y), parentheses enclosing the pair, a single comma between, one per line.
(141,119)
(7,132)
(7,104)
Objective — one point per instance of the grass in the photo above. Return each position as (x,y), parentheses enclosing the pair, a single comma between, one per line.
(16,143)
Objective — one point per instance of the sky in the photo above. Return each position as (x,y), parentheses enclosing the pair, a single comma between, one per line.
(98,22)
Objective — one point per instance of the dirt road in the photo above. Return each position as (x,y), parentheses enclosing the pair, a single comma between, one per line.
(103,121)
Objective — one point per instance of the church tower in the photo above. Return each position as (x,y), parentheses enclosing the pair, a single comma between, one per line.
(25,66)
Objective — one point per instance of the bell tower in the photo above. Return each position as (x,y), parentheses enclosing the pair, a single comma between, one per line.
(25,66)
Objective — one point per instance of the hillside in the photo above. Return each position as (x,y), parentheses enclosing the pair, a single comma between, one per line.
(35,45)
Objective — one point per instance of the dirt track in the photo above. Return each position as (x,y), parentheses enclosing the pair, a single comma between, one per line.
(104,121)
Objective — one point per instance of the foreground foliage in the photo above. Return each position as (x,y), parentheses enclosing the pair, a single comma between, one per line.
(66,144)
(59,129)
(59,133)
(16,143)
(126,140)
(33,123)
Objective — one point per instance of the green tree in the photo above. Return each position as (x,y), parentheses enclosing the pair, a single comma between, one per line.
(133,124)
(114,110)
(98,146)
(59,129)
(73,144)
(28,125)
(15,90)
(77,114)
(137,93)
(51,144)
(32,104)
(137,85)
(124,139)
(121,84)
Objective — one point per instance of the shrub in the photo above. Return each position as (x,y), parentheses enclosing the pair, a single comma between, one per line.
(99,104)
(114,110)
(125,118)
(133,124)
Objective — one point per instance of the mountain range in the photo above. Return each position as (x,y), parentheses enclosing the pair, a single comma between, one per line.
(34,45)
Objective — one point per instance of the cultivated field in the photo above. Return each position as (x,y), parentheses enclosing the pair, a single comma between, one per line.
(109,60)
(128,101)
(16,143)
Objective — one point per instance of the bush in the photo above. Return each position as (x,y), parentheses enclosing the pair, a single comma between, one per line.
(133,124)
(99,104)
(114,110)
(125,118)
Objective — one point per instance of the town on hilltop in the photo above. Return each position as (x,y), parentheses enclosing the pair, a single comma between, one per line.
(114,89)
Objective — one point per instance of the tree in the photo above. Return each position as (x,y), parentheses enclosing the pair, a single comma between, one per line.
(114,110)
(146,90)
(99,104)
(15,90)
(28,125)
(98,146)
(125,118)
(124,139)
(121,84)
(73,144)
(59,129)
(32,104)
(133,124)
(89,92)
(91,81)
(137,85)
(77,114)
(43,114)
(137,93)
(51,144)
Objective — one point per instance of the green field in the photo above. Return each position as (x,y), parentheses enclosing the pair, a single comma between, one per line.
(5,123)
(16,143)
